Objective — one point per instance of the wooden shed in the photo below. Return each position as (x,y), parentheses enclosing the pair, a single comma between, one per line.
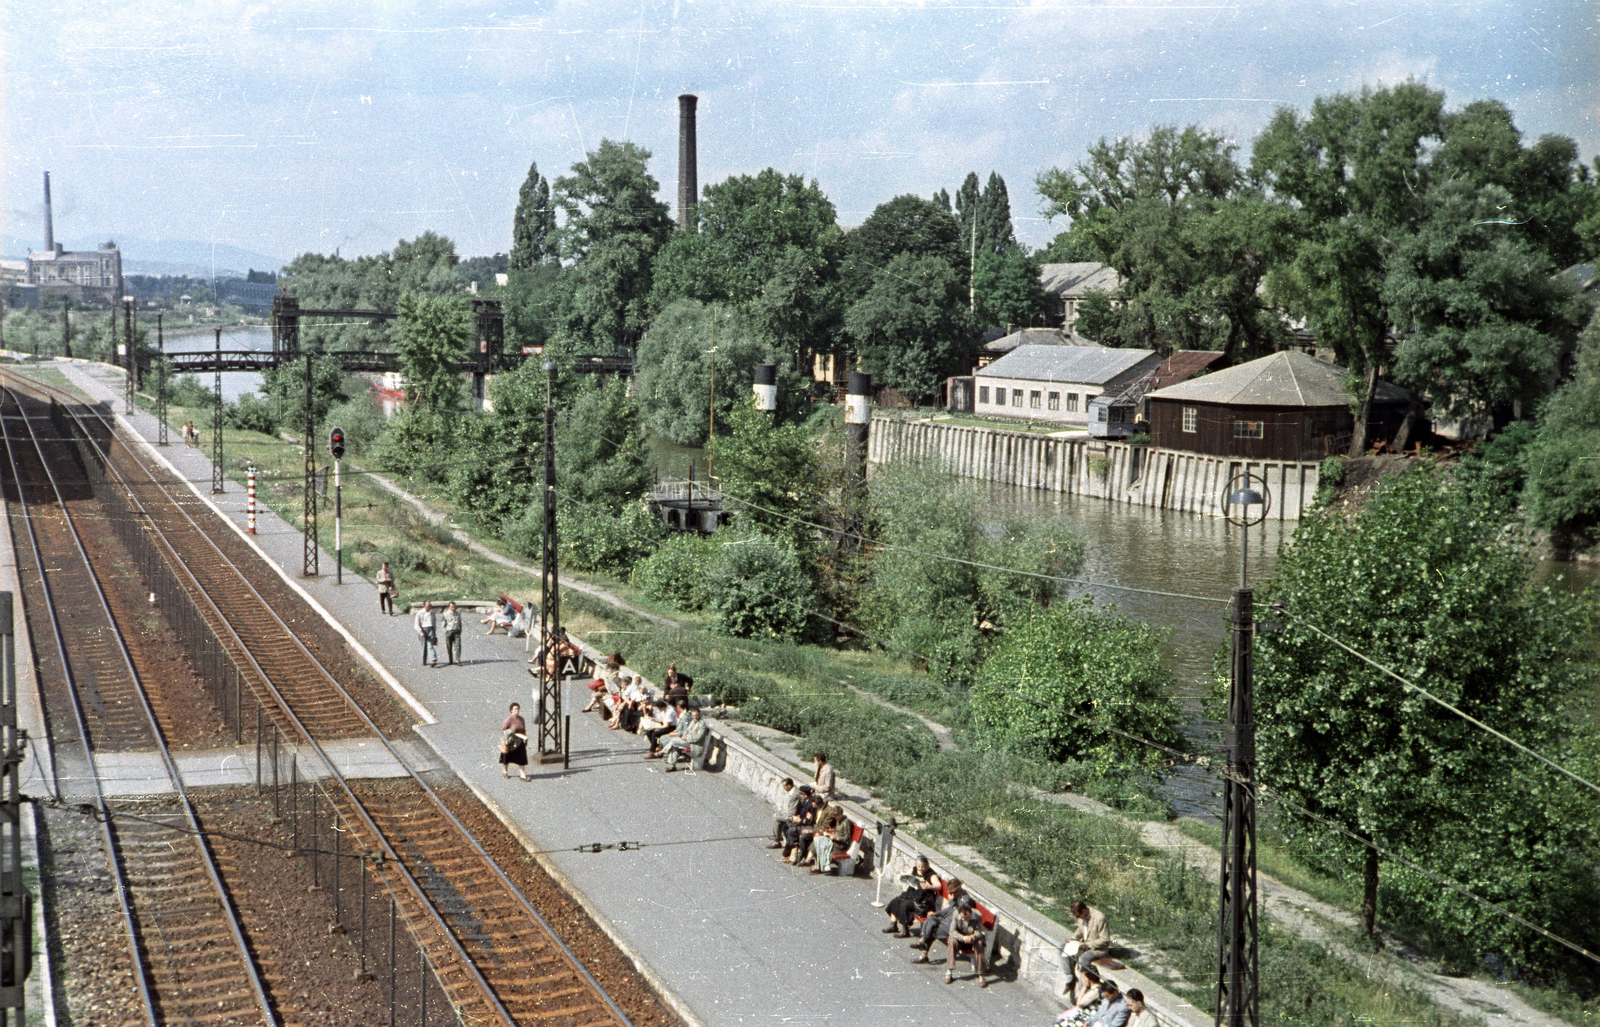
(1289,406)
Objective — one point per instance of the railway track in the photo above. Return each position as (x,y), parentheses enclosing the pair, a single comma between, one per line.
(190,960)
(492,954)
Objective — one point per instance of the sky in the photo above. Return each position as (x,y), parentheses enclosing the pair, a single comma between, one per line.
(290,126)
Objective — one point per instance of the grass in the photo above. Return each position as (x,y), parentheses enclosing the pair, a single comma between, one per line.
(966,797)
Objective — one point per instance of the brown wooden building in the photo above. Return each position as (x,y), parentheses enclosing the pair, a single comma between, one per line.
(1289,406)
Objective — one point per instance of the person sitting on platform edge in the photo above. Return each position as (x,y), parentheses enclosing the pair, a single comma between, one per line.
(689,741)
(918,899)
(659,720)
(831,825)
(797,834)
(788,800)
(1089,942)
(966,932)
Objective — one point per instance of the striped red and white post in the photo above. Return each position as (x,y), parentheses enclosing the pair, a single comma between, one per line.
(252,502)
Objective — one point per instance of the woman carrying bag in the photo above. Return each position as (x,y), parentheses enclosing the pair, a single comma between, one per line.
(514,744)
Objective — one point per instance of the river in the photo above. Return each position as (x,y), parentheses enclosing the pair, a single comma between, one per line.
(234,337)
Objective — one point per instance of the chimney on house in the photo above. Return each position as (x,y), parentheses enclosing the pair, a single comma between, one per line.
(688,183)
(49,229)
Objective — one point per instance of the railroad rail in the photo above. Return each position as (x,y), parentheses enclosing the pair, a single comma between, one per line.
(186,940)
(489,950)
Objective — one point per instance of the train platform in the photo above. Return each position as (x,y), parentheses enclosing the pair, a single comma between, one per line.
(731,936)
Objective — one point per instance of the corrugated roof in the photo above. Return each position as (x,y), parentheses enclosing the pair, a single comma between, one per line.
(1083,364)
(1038,337)
(1286,379)
(1077,279)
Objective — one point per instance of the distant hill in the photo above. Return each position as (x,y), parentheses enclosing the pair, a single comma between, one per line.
(163,256)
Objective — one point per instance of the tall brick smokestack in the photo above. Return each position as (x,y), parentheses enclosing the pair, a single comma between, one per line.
(688,178)
(49,229)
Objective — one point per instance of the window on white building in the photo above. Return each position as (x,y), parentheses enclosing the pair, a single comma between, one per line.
(1033,400)
(1016,398)
(983,394)
(1072,402)
(1054,401)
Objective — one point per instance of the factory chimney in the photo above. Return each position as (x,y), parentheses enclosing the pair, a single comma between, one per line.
(688,182)
(49,229)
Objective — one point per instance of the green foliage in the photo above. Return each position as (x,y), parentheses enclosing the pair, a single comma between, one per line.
(1494,471)
(251,414)
(775,468)
(1008,290)
(1484,313)
(1188,240)
(420,442)
(601,454)
(1331,473)
(678,572)
(434,335)
(913,328)
(674,367)
(284,390)
(1076,661)
(613,224)
(904,226)
(941,604)
(425,265)
(537,303)
(758,588)
(1563,492)
(362,421)
(1427,580)
(591,540)
(533,226)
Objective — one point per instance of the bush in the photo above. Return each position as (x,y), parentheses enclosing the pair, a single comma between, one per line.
(677,572)
(362,421)
(1331,474)
(250,414)
(594,541)
(759,589)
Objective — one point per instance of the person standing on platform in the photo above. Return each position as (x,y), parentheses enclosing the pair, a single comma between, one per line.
(451,624)
(514,744)
(823,777)
(427,630)
(386,589)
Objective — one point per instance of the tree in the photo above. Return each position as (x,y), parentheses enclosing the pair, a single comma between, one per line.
(426,266)
(1188,241)
(906,225)
(927,593)
(912,328)
(602,457)
(1086,671)
(774,468)
(1008,289)
(749,226)
(613,224)
(758,588)
(435,332)
(534,224)
(1354,173)
(675,366)
(1480,314)
(285,387)
(1427,581)
(1563,486)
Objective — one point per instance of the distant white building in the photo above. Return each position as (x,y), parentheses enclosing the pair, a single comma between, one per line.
(1057,383)
(86,274)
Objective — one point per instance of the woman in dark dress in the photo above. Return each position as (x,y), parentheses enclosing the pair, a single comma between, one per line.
(917,900)
(514,744)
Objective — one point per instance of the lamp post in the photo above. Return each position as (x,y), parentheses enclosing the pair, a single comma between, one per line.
(1238,975)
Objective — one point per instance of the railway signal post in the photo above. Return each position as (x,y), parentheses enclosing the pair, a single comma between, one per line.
(216,423)
(16,902)
(336,447)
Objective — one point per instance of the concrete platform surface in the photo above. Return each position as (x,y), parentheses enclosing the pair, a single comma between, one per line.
(735,936)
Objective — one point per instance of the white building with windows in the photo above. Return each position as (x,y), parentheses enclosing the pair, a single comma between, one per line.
(1057,383)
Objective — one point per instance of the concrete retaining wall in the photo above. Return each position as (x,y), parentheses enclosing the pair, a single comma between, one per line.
(1163,479)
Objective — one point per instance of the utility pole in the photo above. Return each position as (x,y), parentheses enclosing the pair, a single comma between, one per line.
(552,743)
(16,902)
(127,350)
(972,265)
(217,476)
(1238,969)
(309,567)
(711,401)
(66,330)
(161,384)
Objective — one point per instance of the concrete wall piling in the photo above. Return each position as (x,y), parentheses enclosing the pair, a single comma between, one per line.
(1163,479)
